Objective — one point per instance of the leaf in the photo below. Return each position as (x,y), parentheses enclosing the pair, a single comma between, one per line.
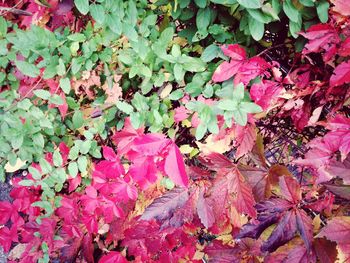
(341,75)
(210,52)
(163,207)
(305,228)
(82,6)
(253,4)
(337,230)
(322,10)
(290,10)
(204,211)
(290,189)
(43,94)
(113,257)
(77,119)
(342,7)
(250,107)
(27,69)
(203,18)
(256,28)
(174,166)
(98,13)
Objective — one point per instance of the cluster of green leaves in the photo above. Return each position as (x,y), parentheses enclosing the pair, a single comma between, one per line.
(160,62)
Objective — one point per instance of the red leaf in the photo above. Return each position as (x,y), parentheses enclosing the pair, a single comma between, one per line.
(325,250)
(205,212)
(150,144)
(341,75)
(254,67)
(265,93)
(163,207)
(226,70)
(234,51)
(244,202)
(174,166)
(290,189)
(337,229)
(322,37)
(344,49)
(113,257)
(109,154)
(124,139)
(245,137)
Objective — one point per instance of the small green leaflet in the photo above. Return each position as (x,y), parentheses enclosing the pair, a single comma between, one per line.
(27,69)
(253,4)
(82,6)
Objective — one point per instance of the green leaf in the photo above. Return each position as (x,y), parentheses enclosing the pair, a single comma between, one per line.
(77,119)
(45,166)
(26,183)
(238,92)
(201,3)
(35,173)
(253,4)
(85,147)
(3,27)
(176,95)
(256,28)
(82,6)
(179,72)
(259,16)
(322,10)
(291,11)
(38,140)
(65,85)
(210,52)
(192,64)
(98,13)
(73,153)
(294,28)
(82,163)
(57,158)
(43,94)
(240,117)
(27,69)
(201,130)
(203,18)
(309,3)
(114,23)
(124,107)
(250,107)
(56,99)
(229,105)
(77,37)
(73,169)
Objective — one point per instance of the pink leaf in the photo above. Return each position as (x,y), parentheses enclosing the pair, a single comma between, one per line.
(109,154)
(175,167)
(341,75)
(113,257)
(150,144)
(226,70)
(234,51)
(204,211)
(342,7)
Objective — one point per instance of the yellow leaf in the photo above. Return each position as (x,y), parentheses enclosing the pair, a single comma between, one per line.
(18,165)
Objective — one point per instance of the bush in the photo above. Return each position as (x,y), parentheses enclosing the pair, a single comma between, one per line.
(175,131)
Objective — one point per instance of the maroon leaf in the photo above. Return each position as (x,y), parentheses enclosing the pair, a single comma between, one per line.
(163,207)
(205,212)
(326,250)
